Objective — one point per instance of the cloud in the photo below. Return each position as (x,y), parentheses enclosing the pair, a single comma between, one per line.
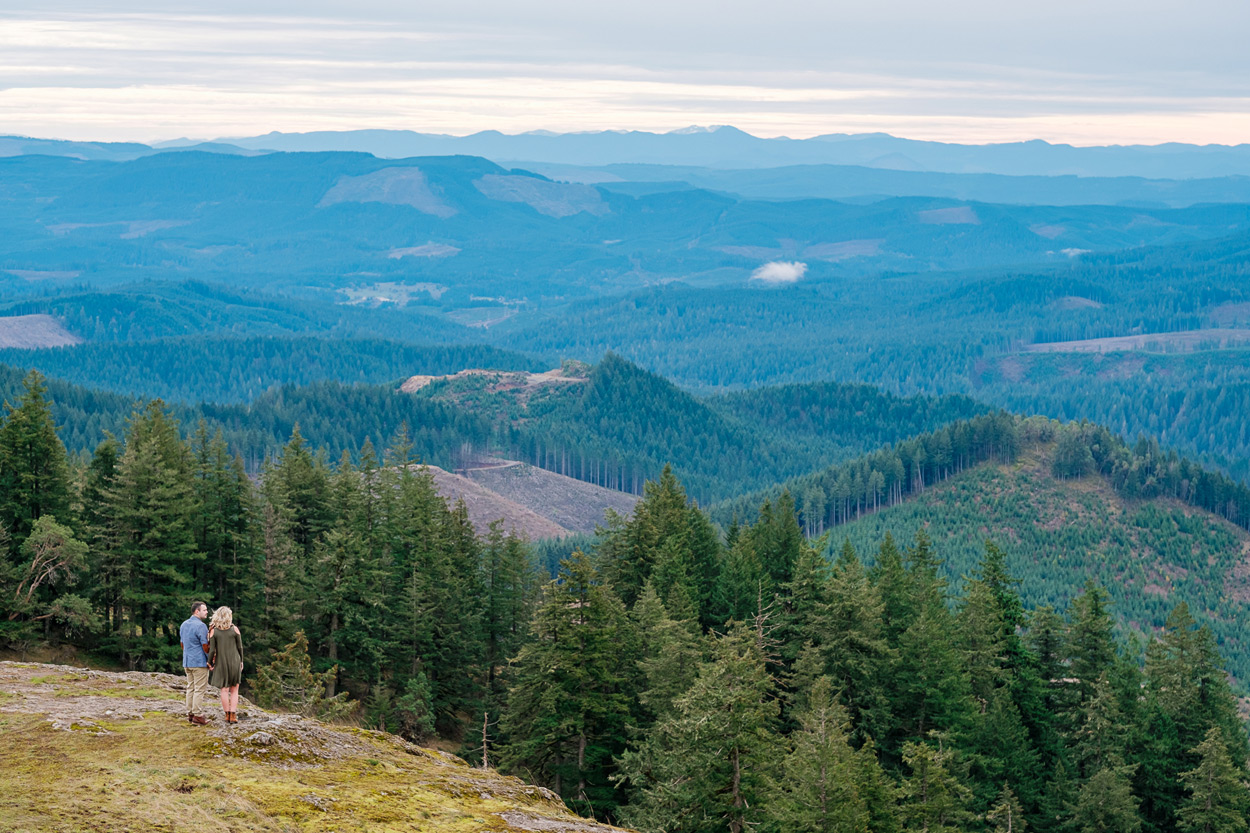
(779,272)
(132,70)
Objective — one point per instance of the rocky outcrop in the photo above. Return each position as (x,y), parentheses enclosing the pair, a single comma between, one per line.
(93,750)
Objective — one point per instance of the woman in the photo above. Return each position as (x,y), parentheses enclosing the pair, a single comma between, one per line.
(225,659)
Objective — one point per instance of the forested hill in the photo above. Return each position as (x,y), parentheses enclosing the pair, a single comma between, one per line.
(618,429)
(235,370)
(165,309)
(1062,501)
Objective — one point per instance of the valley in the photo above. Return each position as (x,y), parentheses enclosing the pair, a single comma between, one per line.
(874,465)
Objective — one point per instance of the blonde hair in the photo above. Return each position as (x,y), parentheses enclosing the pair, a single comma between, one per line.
(223,619)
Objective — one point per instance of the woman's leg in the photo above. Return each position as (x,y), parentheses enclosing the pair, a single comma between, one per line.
(234,698)
(225,698)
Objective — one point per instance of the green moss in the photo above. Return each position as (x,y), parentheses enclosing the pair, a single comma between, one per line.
(52,679)
(162,774)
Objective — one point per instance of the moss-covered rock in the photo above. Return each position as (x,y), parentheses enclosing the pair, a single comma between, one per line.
(84,750)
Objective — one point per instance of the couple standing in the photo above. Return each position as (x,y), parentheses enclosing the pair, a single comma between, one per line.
(211,655)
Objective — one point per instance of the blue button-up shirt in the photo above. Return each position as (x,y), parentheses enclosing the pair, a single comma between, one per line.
(194,636)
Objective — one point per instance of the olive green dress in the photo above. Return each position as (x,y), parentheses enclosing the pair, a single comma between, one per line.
(225,654)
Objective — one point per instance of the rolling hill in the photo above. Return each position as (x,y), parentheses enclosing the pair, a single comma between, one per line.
(464,235)
(1065,503)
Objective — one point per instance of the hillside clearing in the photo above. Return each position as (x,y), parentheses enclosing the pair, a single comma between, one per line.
(574,504)
(1185,340)
(28,332)
(1149,554)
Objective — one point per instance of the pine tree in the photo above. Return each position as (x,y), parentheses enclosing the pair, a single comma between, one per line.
(1105,803)
(1006,816)
(223,526)
(568,702)
(51,562)
(34,472)
(289,683)
(1218,797)
(1099,739)
(1058,800)
(1003,752)
(706,767)
(414,710)
(804,601)
(778,540)
(349,582)
(818,787)
(149,546)
(934,798)
(743,582)
(100,475)
(670,653)
(895,588)
(299,486)
(1090,643)
(850,633)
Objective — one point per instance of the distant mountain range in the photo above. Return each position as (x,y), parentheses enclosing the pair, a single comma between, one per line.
(477,243)
(719,147)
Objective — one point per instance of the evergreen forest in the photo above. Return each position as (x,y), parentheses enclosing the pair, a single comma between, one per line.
(674,674)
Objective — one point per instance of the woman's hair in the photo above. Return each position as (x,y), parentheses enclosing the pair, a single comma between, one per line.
(223,619)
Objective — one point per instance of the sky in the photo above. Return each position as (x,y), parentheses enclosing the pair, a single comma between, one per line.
(1084,72)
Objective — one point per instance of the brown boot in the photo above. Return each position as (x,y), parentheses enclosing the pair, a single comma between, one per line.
(198,720)
(230,717)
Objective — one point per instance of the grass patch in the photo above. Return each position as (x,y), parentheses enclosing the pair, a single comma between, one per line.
(53,679)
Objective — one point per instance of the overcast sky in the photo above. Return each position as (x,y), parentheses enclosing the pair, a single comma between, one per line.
(1079,71)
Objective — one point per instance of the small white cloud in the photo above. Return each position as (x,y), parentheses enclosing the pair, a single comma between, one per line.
(779,271)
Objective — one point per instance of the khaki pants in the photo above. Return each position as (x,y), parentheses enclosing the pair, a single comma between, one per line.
(197,689)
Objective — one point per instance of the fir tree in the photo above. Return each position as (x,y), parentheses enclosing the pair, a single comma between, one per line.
(288,682)
(1006,816)
(149,544)
(934,798)
(931,683)
(1105,803)
(707,766)
(509,584)
(670,654)
(34,472)
(818,787)
(661,518)
(1217,795)
(1090,643)
(568,703)
(851,638)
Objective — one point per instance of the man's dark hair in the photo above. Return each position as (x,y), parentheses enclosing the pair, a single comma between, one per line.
(196,606)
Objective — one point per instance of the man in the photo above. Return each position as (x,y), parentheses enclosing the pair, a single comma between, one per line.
(194,640)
